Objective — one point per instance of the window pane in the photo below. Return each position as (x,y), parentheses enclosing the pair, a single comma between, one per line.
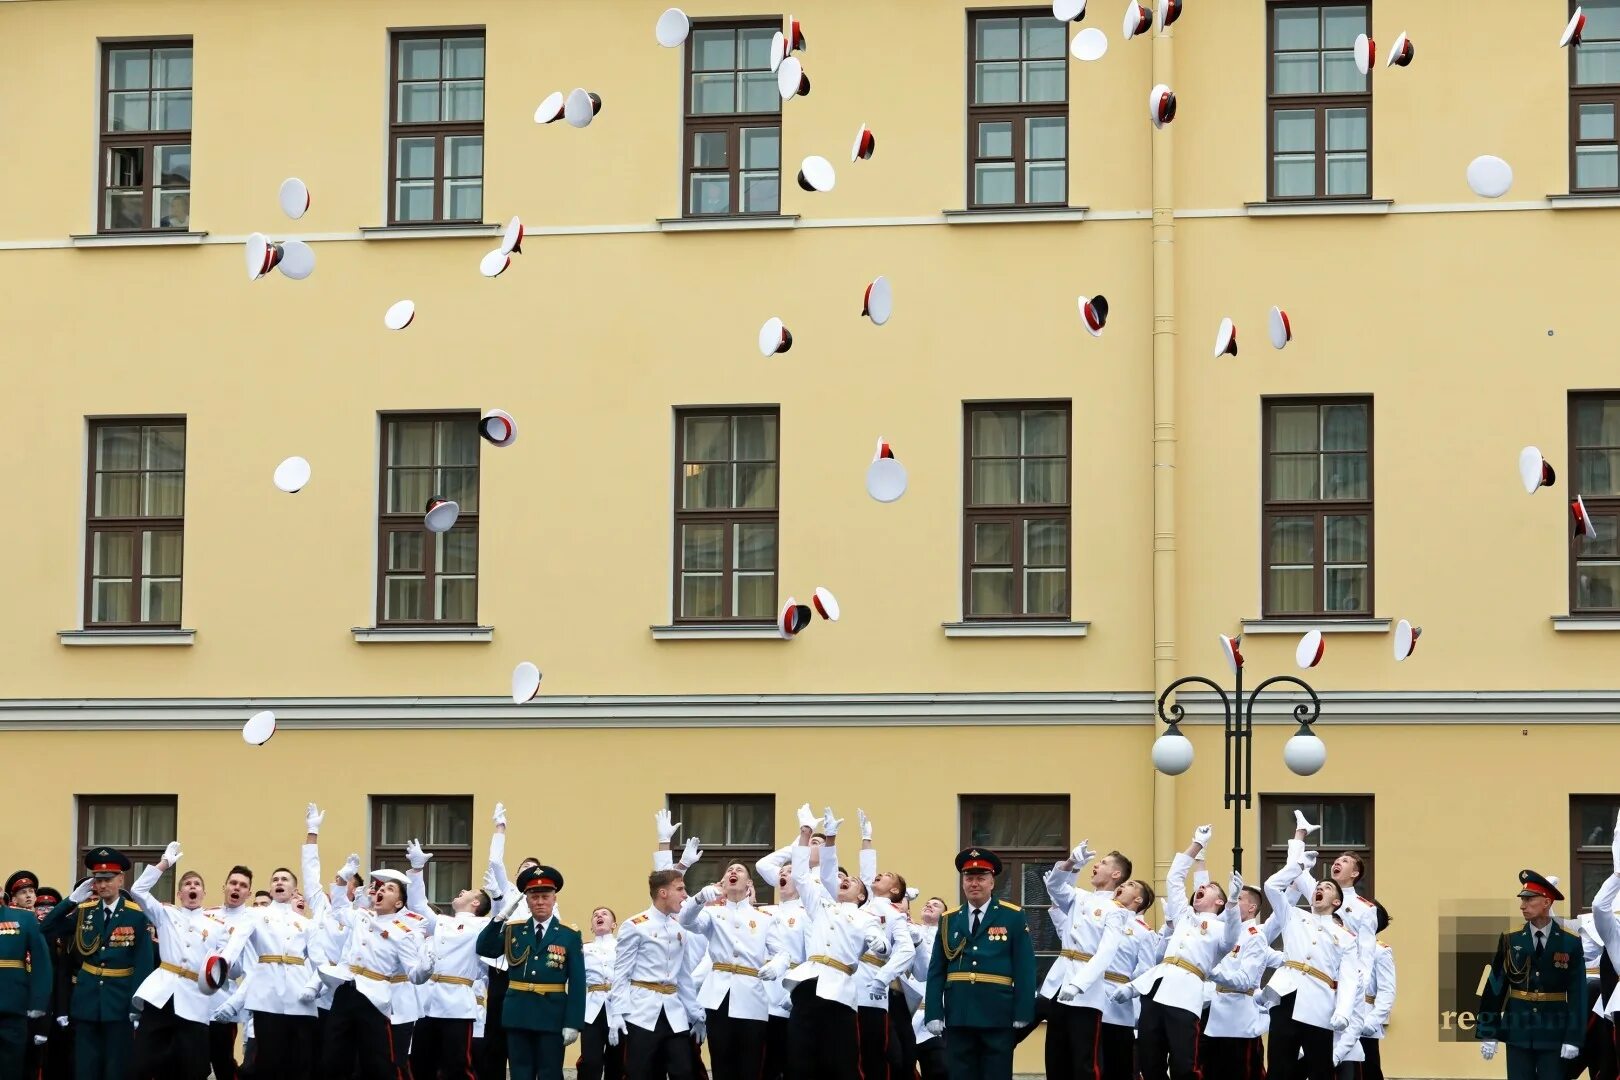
(995,140)
(703,547)
(1043,592)
(1597,121)
(128,112)
(1597,422)
(1046,481)
(756,486)
(126,209)
(1597,63)
(751,824)
(992,592)
(457,442)
(173,110)
(464,58)
(709,150)
(112,554)
(714,93)
(707,438)
(160,601)
(464,155)
(995,83)
(755,46)
(408,490)
(1044,81)
(1294,476)
(1596,823)
(700,596)
(711,193)
(464,101)
(1347,174)
(706,819)
(1293,427)
(118,495)
(111,601)
(1294,177)
(1295,28)
(1597,167)
(405,550)
(1295,130)
(1046,138)
(457,600)
(1045,38)
(761,148)
(1008,824)
(1597,585)
(464,200)
(753,596)
(1344,476)
(714,50)
(759,93)
(402,599)
(165,494)
(1340,25)
(1291,591)
(756,546)
(706,487)
(761,192)
(1344,538)
(1044,432)
(995,434)
(1344,427)
(418,103)
(1599,472)
(1046,542)
(1346,588)
(995,39)
(171,67)
(1046,182)
(160,553)
(1340,75)
(1347,129)
(112,824)
(163,448)
(995,482)
(118,448)
(755,438)
(414,201)
(1295,73)
(992,543)
(993,185)
(458,552)
(419,59)
(174,166)
(1293,540)
(415,158)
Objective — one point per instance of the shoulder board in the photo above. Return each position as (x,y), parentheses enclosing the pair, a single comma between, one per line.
(1254,929)
(572,927)
(1363,901)
(1143,924)
(412,915)
(1382,944)
(951,912)
(89,904)
(638,920)
(1010,907)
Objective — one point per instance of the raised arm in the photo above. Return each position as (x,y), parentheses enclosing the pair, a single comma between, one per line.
(142,889)
(868,856)
(694,913)
(1060,880)
(1276,889)
(1603,916)
(829,854)
(310,855)
(1175,882)
(415,891)
(496,872)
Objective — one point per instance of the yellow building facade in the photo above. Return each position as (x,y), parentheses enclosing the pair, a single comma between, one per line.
(1084,514)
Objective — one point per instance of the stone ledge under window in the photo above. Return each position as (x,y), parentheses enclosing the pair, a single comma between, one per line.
(444,231)
(1318,207)
(127,637)
(1009,216)
(138,239)
(717,632)
(1004,628)
(403,635)
(1586,622)
(729,223)
(1578,201)
(1327,626)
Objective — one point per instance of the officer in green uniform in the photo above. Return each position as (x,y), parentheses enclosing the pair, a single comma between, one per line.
(112,940)
(1535,994)
(545,991)
(25,985)
(981,979)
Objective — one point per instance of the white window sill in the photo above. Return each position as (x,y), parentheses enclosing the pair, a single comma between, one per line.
(1014,628)
(427,232)
(149,239)
(1318,207)
(1586,622)
(404,635)
(1327,626)
(737,223)
(1010,216)
(1577,201)
(127,637)
(717,632)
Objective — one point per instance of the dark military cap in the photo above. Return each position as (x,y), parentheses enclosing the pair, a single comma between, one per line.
(45,896)
(1533,884)
(972,859)
(106,862)
(540,877)
(22,879)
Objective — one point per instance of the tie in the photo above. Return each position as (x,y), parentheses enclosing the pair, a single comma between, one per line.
(1540,941)
(973,930)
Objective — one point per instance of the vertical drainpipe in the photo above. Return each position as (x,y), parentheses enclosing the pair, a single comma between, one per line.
(1164,444)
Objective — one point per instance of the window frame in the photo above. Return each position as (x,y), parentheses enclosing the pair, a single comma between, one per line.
(1587,859)
(1602,506)
(1319,103)
(727,852)
(1019,857)
(134,526)
(1273,849)
(973,514)
(731,123)
(390,523)
(140,856)
(148,140)
(1588,94)
(438,130)
(729,518)
(392,856)
(1019,113)
(1318,508)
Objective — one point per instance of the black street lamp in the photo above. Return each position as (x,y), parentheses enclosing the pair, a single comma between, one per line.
(1304,753)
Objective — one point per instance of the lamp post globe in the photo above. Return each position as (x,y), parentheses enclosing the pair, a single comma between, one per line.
(1172,753)
(1304,753)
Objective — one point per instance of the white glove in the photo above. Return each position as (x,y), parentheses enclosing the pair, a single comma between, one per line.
(491,883)
(313,816)
(1082,853)
(1069,992)
(1119,995)
(569,1035)
(769,973)
(351,867)
(1614,848)
(1202,834)
(1310,861)
(1568,1052)
(61,1021)
(171,853)
(81,892)
(1338,1046)
(220,1014)
(935,1027)
(708,895)
(866,823)
(499,817)
(511,905)
(1338,1021)
(40,1040)
(699,1032)
(692,854)
(616,1027)
(1487,1049)
(1369,1030)
(807,820)
(1234,886)
(666,827)
(35,1014)
(912,893)
(877,942)
(1020,1025)
(1301,825)
(307,994)
(135,1018)
(418,857)
(829,824)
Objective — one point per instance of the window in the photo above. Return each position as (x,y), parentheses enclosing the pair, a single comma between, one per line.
(725,517)
(1591,831)
(1594,439)
(140,826)
(135,523)
(1594,92)
(436,167)
(428,578)
(1016,547)
(1029,833)
(733,130)
(730,828)
(443,826)
(1318,506)
(1320,107)
(1018,110)
(1347,825)
(146,135)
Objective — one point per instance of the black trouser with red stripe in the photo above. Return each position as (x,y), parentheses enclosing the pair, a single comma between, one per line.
(1289,1037)
(776,1044)
(824,1038)
(1166,1034)
(1119,1052)
(1240,1059)
(736,1047)
(874,1024)
(170,1047)
(1597,1050)
(597,1059)
(902,1039)
(359,1036)
(1084,1028)
(1372,1049)
(442,1049)
(222,1050)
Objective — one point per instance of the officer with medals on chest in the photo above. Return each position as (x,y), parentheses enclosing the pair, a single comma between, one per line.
(112,940)
(25,982)
(545,999)
(1535,993)
(981,979)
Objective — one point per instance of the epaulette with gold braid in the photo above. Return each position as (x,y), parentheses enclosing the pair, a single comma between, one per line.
(1011,907)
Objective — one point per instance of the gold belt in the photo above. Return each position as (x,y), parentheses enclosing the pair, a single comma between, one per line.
(978,977)
(1537,995)
(657,988)
(836,965)
(107,972)
(1176,961)
(453,980)
(178,970)
(1229,990)
(1117,977)
(869,958)
(732,969)
(1315,973)
(367,973)
(18,964)
(1076,955)
(540,988)
(599,987)
(1594,973)
(290,961)
(1371,999)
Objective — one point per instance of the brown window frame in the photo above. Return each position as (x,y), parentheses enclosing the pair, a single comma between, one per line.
(1018,114)
(135,526)
(1018,515)
(148,140)
(1274,845)
(1015,860)
(732,124)
(1589,94)
(1589,863)
(720,852)
(140,855)
(1604,510)
(1318,509)
(728,517)
(438,130)
(446,855)
(1318,103)
(412,519)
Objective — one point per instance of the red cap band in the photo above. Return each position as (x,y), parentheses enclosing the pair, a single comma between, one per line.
(1539,889)
(977,864)
(105,868)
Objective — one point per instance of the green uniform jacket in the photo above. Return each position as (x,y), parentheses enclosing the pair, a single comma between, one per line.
(25,964)
(987,981)
(115,954)
(557,960)
(1510,1010)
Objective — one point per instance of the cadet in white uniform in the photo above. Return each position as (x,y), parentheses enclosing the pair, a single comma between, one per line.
(172,1039)
(654,1002)
(1096,930)
(223,921)
(1232,1044)
(879,1058)
(449,977)
(790,924)
(382,950)
(601,1057)
(741,939)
